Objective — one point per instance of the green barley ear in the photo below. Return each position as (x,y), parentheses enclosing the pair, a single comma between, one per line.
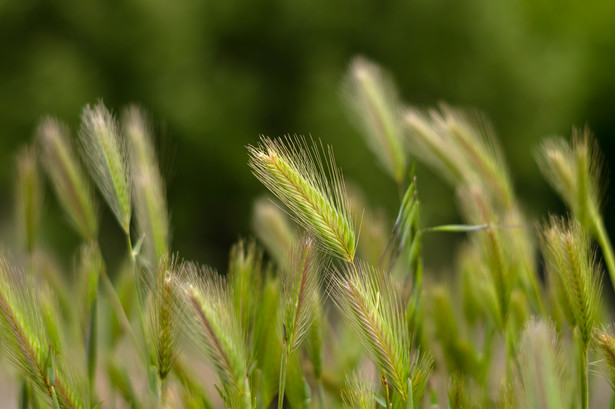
(164,317)
(432,147)
(104,151)
(372,101)
(273,228)
(358,393)
(29,197)
(245,276)
(568,253)
(213,323)
(68,179)
(604,342)
(369,303)
(575,171)
(299,293)
(541,376)
(462,147)
(147,186)
(25,341)
(295,173)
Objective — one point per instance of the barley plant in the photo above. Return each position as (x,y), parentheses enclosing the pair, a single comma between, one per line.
(330,304)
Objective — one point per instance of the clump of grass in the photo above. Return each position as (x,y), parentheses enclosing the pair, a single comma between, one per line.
(26,341)
(264,326)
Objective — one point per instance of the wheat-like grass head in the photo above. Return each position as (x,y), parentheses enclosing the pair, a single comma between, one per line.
(105,153)
(294,172)
(68,179)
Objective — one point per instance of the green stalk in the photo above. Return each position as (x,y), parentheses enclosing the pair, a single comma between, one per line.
(54,397)
(23,394)
(583,374)
(321,394)
(605,244)
(133,262)
(92,347)
(282,383)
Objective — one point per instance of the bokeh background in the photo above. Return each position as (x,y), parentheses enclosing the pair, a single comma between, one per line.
(214,74)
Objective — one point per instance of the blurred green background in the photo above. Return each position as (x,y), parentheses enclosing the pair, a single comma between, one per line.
(215,74)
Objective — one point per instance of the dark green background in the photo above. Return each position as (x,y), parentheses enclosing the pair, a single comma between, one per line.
(215,74)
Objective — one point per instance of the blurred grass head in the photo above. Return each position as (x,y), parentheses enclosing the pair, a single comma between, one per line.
(72,188)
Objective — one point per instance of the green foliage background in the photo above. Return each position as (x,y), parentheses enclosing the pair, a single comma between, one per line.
(218,73)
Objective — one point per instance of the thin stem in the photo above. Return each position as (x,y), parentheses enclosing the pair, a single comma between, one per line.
(612,405)
(583,375)
(133,262)
(119,309)
(282,383)
(54,398)
(23,394)
(92,347)
(162,399)
(321,394)
(385,390)
(510,353)
(605,244)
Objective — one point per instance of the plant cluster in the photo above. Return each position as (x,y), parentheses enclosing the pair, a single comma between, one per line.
(330,305)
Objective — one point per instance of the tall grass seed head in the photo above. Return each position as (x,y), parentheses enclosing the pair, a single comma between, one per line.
(369,303)
(212,321)
(373,104)
(295,173)
(29,197)
(148,188)
(300,287)
(541,368)
(70,183)
(105,153)
(575,171)
(569,254)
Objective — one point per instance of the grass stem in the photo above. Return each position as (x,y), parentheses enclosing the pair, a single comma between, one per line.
(583,375)
(321,394)
(282,384)
(607,249)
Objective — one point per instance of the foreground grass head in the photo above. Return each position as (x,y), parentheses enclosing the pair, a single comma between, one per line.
(294,172)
